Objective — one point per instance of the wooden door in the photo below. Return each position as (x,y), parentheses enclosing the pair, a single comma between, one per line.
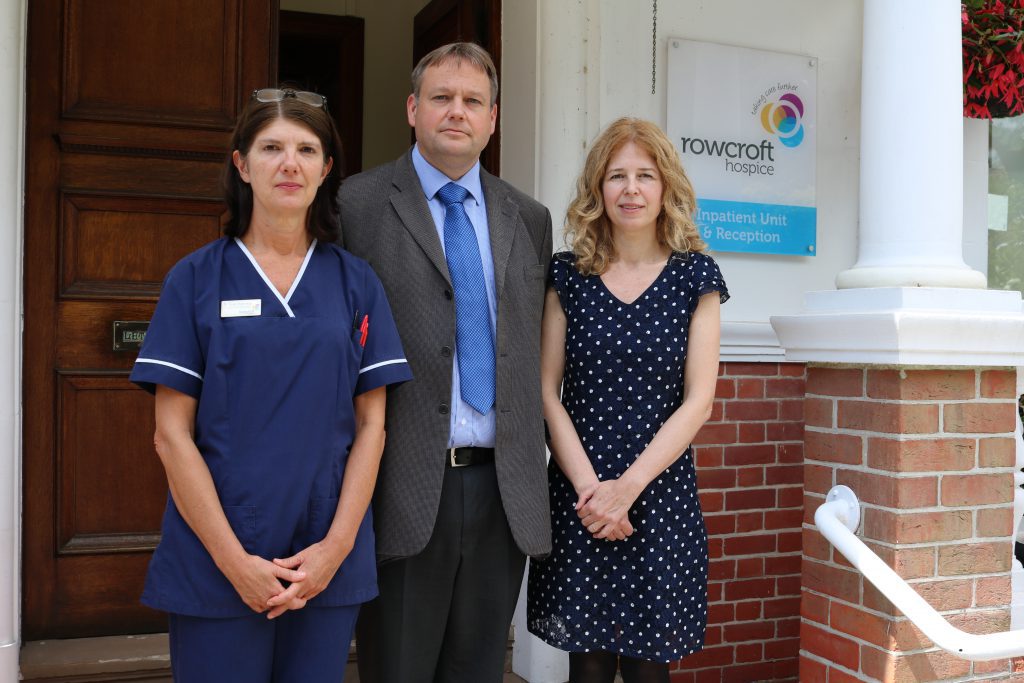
(130,105)
(475,21)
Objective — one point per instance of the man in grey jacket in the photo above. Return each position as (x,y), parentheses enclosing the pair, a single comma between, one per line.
(461,498)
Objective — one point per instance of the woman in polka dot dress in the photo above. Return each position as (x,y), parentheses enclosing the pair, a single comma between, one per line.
(629,364)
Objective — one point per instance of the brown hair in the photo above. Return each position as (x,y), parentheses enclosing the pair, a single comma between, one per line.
(456,53)
(587,229)
(322,222)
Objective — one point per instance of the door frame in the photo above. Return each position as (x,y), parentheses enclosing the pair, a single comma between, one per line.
(14,21)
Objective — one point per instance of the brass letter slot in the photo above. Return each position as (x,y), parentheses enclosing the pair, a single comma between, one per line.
(128,334)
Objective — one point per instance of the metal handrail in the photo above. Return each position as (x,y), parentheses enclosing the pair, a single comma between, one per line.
(837,519)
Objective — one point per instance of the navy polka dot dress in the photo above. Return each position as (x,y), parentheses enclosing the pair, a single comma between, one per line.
(645,596)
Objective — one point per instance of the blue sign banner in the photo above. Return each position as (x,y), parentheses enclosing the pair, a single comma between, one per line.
(757,228)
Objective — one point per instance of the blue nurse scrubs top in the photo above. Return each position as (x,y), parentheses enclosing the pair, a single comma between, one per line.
(275,378)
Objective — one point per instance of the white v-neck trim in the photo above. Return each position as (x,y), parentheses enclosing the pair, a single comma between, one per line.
(270,285)
(302,269)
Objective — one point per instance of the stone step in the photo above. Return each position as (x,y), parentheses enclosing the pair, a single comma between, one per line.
(136,658)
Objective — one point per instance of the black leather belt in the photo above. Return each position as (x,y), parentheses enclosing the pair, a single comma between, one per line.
(461,457)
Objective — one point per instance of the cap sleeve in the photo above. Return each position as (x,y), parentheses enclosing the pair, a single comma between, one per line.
(171,353)
(706,277)
(383,361)
(559,271)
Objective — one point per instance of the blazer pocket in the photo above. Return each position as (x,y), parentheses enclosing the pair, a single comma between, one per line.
(534,279)
(534,271)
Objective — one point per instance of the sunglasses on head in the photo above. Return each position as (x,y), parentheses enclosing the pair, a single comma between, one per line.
(313,99)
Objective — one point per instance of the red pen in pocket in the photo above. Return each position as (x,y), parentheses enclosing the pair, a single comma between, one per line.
(365,329)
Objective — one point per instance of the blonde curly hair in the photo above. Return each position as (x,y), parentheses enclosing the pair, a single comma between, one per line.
(587,228)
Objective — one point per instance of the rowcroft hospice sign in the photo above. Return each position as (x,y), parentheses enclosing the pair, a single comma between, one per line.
(744,122)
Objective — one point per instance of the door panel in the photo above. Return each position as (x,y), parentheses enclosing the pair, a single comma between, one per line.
(114,246)
(130,106)
(140,172)
(88,325)
(98,506)
(123,62)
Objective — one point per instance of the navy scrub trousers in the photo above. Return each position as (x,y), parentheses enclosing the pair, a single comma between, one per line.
(310,644)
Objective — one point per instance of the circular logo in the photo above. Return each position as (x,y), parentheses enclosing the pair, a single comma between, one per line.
(783,118)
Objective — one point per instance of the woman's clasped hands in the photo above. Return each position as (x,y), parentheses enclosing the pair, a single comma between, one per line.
(318,563)
(257,581)
(262,583)
(603,509)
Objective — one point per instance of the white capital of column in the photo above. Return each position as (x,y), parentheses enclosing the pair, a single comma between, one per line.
(911,172)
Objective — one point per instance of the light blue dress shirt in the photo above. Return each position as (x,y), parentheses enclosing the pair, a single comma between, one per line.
(468,427)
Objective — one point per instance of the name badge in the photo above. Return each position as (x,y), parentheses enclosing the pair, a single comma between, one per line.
(240,308)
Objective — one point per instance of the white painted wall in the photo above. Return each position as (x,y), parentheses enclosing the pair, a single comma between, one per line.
(520,65)
(12,192)
(387,63)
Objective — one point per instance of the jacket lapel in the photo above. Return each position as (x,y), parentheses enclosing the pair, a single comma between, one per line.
(502,212)
(411,206)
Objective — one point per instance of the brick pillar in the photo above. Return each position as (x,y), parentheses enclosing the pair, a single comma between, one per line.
(930,455)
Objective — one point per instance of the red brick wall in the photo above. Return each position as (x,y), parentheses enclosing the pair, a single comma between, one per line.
(750,473)
(930,455)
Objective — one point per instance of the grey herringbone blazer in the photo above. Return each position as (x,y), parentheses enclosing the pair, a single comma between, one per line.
(385,220)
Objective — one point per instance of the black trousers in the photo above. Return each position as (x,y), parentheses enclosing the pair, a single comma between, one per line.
(443,615)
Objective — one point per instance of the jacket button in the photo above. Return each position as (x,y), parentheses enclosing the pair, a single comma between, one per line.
(446,351)
(443,409)
(448,294)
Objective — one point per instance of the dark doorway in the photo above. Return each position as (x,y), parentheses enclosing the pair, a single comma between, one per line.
(324,53)
(475,21)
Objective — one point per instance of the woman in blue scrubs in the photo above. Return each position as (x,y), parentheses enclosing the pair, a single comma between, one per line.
(269,353)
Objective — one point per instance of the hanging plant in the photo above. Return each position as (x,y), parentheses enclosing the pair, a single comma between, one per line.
(993,34)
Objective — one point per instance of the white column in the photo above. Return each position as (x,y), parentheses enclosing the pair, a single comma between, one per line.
(911,174)
(12,159)
(910,299)
(520,57)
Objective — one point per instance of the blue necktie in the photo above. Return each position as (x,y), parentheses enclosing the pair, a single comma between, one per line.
(473,341)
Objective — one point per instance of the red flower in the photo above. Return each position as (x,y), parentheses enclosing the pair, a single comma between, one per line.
(993,73)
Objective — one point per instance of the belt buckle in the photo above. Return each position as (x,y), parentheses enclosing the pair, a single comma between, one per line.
(451,459)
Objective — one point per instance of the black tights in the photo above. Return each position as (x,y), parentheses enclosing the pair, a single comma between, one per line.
(600,666)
